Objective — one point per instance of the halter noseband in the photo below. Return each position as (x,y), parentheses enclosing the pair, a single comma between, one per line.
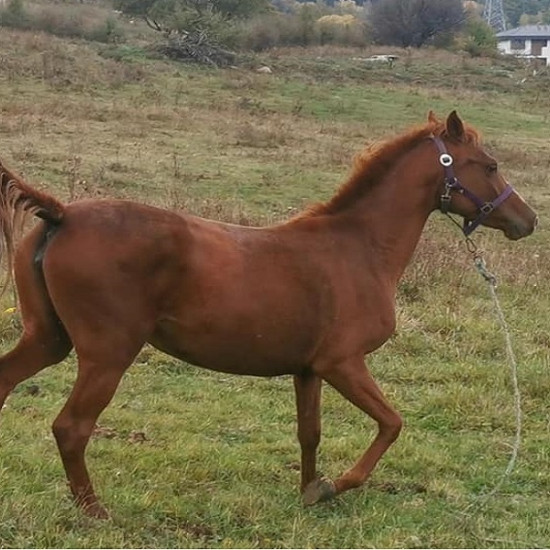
(452,184)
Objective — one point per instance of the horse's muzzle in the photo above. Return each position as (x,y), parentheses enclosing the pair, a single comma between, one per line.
(519,229)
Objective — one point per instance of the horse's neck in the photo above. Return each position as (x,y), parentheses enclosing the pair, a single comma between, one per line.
(391,216)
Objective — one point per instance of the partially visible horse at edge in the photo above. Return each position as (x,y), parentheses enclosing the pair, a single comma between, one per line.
(309,297)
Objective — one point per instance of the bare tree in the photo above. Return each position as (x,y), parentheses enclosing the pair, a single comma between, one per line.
(414,22)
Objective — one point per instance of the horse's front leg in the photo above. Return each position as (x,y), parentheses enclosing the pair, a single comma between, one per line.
(356,384)
(308,401)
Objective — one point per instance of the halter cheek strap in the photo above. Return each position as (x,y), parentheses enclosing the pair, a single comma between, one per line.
(452,184)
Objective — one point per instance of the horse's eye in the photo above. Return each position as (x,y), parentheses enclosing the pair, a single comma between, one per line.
(491,169)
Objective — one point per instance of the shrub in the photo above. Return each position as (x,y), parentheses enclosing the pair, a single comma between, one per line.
(414,22)
(14,15)
(259,33)
(346,30)
(480,39)
(80,21)
(268,31)
(303,27)
(108,32)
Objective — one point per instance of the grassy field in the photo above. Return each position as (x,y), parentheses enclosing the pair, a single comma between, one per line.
(188,458)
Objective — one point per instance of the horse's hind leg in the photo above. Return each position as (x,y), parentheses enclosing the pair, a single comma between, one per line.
(44,341)
(356,384)
(36,350)
(100,369)
(308,399)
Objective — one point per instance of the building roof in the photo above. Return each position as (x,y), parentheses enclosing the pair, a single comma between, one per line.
(528,31)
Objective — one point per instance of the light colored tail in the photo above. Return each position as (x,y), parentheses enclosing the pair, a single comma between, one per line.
(17,200)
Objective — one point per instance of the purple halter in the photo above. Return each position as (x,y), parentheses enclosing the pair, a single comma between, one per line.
(452,184)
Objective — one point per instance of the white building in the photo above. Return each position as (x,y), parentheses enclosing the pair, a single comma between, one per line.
(531,42)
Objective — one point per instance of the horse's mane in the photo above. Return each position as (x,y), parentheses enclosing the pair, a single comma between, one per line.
(375,160)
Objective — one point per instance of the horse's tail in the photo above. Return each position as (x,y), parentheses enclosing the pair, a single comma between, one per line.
(17,200)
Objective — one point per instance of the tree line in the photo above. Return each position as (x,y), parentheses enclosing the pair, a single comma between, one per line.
(403,23)
(210,30)
(526,11)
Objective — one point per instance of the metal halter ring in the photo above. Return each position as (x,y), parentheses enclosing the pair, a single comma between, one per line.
(445,159)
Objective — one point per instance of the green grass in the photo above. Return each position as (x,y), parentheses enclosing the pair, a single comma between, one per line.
(188,458)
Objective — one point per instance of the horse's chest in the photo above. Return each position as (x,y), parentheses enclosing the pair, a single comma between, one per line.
(362,323)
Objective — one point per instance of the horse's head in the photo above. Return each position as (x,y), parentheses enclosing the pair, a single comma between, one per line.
(473,186)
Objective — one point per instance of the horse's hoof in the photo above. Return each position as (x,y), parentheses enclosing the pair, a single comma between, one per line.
(319,490)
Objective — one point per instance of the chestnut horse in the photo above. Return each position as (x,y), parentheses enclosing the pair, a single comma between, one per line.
(309,297)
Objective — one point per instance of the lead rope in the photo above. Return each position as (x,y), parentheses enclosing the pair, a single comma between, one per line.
(491,280)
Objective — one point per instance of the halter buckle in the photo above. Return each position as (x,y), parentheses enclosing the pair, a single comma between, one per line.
(445,203)
(445,199)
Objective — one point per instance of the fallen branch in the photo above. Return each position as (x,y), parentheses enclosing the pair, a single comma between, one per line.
(196,46)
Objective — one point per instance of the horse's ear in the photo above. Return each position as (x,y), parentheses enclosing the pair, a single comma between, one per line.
(455,128)
(432,119)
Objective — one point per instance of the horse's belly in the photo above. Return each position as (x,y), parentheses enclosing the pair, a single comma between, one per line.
(250,353)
